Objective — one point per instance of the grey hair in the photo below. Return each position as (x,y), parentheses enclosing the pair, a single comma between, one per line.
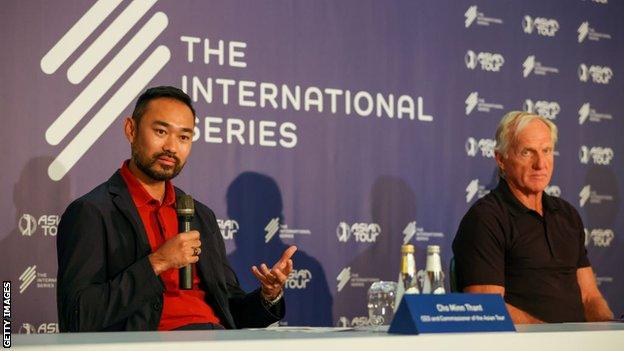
(512,124)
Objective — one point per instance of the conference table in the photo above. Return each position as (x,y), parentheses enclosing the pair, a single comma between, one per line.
(551,337)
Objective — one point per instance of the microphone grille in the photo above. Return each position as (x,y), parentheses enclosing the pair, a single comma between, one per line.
(185,205)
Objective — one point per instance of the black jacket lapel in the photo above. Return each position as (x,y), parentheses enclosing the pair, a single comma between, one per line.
(122,200)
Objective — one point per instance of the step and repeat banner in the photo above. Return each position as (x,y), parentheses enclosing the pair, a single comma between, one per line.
(347,128)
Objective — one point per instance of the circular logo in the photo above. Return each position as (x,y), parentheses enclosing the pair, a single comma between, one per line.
(471,146)
(471,59)
(584,154)
(27,328)
(343,231)
(527,24)
(583,72)
(27,224)
(528,105)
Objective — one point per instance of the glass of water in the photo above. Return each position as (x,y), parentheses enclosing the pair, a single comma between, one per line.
(381,296)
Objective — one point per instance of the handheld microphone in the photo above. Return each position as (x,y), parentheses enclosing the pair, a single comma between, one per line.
(185,208)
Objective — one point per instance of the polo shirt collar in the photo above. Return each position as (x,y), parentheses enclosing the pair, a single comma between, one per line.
(139,195)
(515,206)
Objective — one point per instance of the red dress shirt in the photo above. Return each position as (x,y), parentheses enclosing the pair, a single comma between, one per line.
(180,307)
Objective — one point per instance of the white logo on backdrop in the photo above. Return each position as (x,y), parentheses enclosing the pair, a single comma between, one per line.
(343,231)
(598,74)
(531,65)
(589,33)
(553,190)
(548,109)
(409,231)
(298,279)
(346,276)
(44,328)
(228,228)
(587,194)
(473,14)
(358,321)
(599,237)
(547,27)
(27,328)
(412,230)
(473,100)
(486,146)
(31,275)
(597,154)
(362,232)
(27,277)
(600,280)
(586,112)
(274,227)
(487,61)
(28,224)
(343,278)
(271,229)
(474,188)
(103,80)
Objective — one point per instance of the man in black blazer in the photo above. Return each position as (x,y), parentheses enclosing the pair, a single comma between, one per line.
(118,255)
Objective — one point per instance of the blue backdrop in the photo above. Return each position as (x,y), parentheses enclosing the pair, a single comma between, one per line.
(344,127)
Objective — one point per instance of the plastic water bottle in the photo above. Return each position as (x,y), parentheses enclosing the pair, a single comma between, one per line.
(434,278)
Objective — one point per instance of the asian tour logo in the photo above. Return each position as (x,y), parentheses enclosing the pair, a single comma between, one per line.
(598,155)
(48,224)
(228,228)
(43,328)
(587,195)
(485,146)
(103,80)
(473,15)
(475,101)
(475,189)
(298,279)
(599,237)
(597,74)
(548,109)
(531,65)
(553,190)
(546,27)
(585,31)
(486,61)
(361,232)
(358,321)
(587,113)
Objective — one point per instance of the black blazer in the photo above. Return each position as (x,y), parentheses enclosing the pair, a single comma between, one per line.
(105,280)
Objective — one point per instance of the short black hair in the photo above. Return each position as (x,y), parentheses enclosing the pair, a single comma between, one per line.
(156,93)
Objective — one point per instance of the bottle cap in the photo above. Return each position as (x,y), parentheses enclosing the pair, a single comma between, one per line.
(409,248)
(431,249)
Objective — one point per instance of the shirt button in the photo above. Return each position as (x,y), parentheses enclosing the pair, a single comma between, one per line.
(157,306)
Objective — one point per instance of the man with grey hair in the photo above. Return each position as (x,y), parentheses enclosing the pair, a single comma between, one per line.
(520,242)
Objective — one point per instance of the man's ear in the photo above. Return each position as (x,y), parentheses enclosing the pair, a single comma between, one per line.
(499,161)
(130,129)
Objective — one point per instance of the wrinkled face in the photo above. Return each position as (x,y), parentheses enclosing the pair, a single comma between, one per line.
(162,141)
(528,165)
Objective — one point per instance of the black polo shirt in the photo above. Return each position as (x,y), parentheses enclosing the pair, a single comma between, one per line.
(502,242)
